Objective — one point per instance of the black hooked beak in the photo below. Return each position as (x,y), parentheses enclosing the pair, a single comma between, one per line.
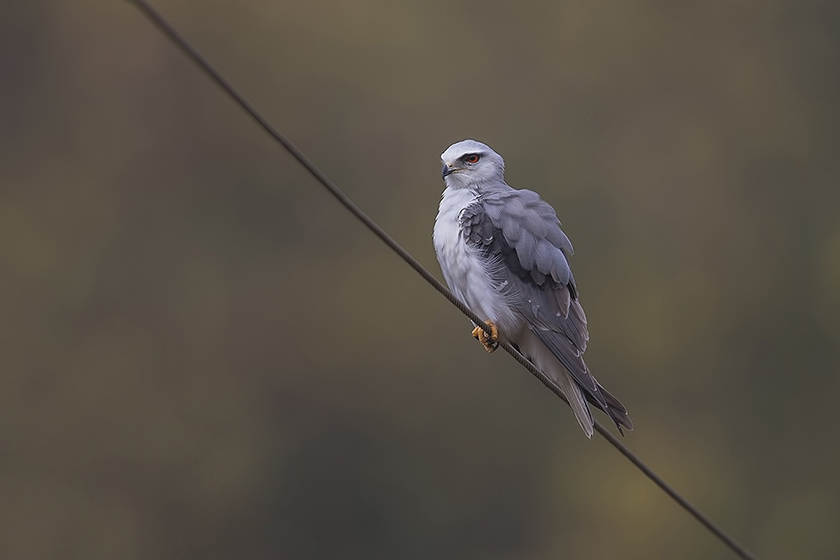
(446,171)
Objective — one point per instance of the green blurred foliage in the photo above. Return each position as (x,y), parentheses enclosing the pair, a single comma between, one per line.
(204,356)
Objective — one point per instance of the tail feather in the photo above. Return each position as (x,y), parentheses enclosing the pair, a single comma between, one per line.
(615,410)
(543,356)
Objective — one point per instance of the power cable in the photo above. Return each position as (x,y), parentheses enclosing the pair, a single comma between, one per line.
(193,53)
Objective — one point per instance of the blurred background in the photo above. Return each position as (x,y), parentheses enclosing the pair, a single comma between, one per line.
(204,356)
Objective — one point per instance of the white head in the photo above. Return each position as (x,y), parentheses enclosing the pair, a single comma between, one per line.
(467,164)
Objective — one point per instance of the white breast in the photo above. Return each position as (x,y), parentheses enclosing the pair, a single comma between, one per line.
(462,268)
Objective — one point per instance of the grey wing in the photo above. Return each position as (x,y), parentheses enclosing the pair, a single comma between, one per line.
(520,235)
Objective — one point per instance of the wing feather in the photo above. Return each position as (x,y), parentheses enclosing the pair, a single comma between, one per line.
(520,236)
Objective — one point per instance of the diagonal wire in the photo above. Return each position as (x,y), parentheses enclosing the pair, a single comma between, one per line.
(182,43)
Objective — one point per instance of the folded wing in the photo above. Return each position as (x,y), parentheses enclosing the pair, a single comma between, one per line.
(526,251)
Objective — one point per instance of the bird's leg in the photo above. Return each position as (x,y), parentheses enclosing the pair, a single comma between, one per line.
(489,341)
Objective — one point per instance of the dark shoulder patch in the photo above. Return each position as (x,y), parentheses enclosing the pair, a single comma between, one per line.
(475,226)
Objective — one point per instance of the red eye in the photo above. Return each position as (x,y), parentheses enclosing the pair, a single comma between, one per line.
(472,158)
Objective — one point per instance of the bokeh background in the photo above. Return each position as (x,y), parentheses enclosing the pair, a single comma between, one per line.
(204,356)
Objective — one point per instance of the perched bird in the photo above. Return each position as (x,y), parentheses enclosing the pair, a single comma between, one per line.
(503,254)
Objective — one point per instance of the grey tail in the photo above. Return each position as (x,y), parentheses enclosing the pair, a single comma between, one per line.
(614,409)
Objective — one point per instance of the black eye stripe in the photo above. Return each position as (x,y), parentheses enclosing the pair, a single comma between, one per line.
(471,158)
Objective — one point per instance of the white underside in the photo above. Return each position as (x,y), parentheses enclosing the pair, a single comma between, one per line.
(471,283)
(463,270)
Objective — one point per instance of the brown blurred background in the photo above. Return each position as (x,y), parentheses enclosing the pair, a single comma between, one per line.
(205,357)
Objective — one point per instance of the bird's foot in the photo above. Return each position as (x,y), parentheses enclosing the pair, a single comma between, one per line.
(489,341)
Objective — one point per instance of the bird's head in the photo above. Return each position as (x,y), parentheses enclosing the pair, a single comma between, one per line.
(468,164)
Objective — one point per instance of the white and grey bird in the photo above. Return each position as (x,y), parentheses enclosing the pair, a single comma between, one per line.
(503,254)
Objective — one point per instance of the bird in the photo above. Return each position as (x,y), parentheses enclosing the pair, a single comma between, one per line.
(504,255)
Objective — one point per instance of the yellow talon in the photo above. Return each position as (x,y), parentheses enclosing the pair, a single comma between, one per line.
(489,341)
